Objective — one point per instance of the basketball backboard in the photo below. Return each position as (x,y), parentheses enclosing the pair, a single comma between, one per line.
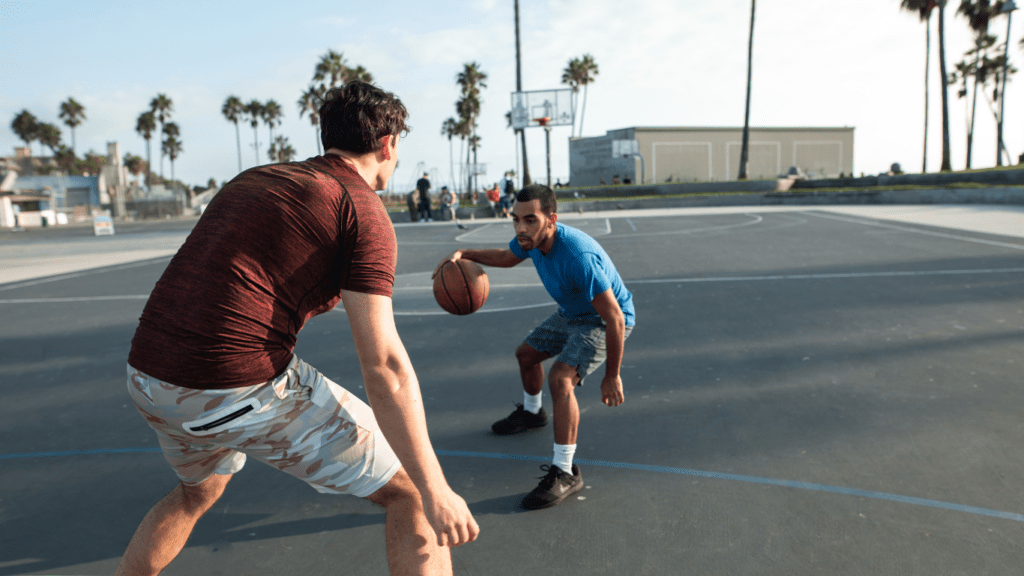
(530,106)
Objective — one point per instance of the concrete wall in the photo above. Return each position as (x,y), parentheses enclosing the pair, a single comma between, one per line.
(711,154)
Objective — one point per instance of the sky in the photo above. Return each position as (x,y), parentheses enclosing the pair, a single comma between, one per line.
(856,63)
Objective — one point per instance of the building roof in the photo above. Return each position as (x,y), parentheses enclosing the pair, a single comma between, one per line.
(733,129)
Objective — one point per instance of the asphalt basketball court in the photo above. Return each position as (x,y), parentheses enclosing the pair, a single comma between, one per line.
(808,391)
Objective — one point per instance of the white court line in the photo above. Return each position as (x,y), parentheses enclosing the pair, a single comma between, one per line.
(632,281)
(919,231)
(98,270)
(829,276)
(79,299)
(630,222)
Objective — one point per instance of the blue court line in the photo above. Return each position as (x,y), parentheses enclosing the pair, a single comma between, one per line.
(625,465)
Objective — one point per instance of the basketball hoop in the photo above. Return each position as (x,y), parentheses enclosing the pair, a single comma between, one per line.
(542,121)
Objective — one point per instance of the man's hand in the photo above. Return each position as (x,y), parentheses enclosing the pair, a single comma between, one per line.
(450,518)
(611,391)
(455,256)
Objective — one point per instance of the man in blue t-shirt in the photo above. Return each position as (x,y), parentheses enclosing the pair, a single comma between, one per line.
(595,315)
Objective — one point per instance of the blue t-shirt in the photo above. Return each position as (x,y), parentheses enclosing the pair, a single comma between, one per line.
(574,271)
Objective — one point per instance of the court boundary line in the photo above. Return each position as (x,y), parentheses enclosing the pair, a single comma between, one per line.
(778,483)
(823,276)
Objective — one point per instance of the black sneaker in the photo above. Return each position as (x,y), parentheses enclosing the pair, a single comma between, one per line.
(554,487)
(520,421)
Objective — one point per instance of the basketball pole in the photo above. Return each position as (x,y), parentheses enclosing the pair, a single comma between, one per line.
(547,142)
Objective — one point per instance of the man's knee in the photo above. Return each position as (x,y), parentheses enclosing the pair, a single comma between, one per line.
(399,489)
(527,356)
(563,379)
(201,497)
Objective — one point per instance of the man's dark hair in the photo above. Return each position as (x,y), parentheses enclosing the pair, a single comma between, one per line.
(548,204)
(354,117)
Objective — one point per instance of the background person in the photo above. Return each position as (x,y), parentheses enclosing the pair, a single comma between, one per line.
(278,245)
(423,186)
(594,318)
(451,202)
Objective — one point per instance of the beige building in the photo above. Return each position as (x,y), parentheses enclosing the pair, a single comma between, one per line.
(707,154)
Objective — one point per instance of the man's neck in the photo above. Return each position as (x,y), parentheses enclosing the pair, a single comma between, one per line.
(365,165)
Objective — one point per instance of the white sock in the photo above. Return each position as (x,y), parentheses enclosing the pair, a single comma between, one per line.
(532,404)
(563,457)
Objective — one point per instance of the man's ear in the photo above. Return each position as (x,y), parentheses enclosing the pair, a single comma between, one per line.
(554,217)
(385,147)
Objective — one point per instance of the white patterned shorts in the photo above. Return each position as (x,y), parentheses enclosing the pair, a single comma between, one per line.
(300,423)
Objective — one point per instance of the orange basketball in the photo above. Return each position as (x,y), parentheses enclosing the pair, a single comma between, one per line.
(461,287)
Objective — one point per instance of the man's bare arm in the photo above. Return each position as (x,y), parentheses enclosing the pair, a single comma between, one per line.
(615,340)
(497,257)
(394,395)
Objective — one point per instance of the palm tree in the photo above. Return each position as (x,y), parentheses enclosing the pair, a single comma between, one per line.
(330,70)
(49,136)
(232,110)
(172,148)
(65,159)
(145,126)
(281,150)
(358,74)
(134,164)
(449,129)
(945,166)
(26,127)
(978,13)
(589,71)
(272,114)
(162,107)
(570,77)
(254,110)
(923,8)
(471,80)
(309,103)
(72,113)
(745,146)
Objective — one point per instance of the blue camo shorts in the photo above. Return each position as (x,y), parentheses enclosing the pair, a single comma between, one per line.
(576,344)
(300,423)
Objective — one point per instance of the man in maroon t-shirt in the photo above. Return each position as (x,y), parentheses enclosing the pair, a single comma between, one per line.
(212,367)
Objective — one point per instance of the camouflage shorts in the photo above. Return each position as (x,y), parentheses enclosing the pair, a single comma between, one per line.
(300,423)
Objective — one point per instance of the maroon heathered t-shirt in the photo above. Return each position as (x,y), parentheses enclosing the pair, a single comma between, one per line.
(273,249)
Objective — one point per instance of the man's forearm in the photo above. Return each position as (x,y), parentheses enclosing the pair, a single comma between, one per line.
(394,395)
(496,257)
(615,342)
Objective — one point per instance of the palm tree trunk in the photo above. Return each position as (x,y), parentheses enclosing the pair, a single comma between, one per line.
(256,144)
(451,164)
(745,149)
(974,109)
(927,57)
(149,165)
(469,169)
(583,109)
(945,167)
(238,140)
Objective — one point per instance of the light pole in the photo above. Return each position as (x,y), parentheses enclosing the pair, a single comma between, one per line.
(1008,9)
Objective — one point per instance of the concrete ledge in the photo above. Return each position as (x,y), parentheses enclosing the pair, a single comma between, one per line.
(994,195)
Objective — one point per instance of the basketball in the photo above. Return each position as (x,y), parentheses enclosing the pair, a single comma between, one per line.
(461,287)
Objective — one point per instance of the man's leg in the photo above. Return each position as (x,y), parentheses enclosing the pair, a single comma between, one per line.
(530,368)
(566,413)
(165,529)
(411,541)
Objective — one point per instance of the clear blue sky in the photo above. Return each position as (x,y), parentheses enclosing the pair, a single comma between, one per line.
(853,63)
